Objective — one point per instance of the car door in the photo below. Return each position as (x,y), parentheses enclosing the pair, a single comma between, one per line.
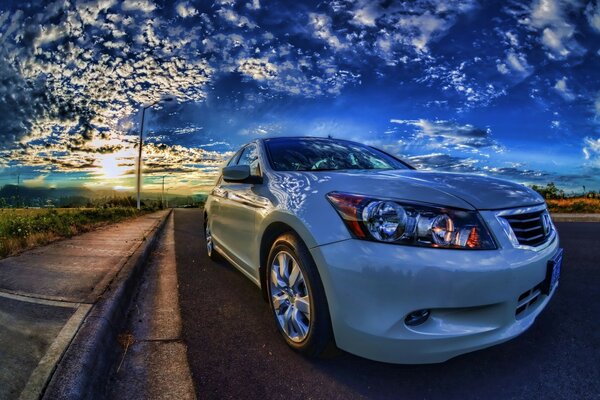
(238,208)
(218,193)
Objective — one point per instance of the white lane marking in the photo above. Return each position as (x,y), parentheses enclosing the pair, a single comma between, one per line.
(35,300)
(40,375)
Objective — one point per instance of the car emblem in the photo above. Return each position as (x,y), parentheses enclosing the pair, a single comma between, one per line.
(546,223)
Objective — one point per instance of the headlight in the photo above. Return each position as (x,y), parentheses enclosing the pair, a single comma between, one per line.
(412,224)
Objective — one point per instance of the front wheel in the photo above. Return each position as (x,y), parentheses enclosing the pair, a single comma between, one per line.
(297,297)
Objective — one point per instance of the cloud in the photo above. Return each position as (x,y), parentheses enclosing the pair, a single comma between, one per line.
(253,5)
(54,77)
(515,63)
(557,31)
(259,69)
(591,150)
(563,90)
(592,12)
(40,180)
(263,130)
(235,19)
(443,162)
(401,25)
(321,25)
(456,79)
(515,173)
(28,107)
(450,135)
(145,6)
(184,9)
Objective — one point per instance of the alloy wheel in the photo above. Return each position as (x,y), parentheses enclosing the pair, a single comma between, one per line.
(290,297)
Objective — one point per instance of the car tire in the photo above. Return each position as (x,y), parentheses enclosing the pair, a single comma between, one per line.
(319,335)
(209,244)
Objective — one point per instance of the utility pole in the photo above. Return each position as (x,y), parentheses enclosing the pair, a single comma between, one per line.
(167,197)
(162,197)
(18,183)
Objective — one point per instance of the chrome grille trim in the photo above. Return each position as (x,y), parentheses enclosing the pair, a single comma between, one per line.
(522,229)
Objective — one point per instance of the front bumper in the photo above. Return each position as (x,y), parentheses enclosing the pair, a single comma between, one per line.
(473,297)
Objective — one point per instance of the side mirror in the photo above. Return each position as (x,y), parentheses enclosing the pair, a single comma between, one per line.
(240,174)
(236,173)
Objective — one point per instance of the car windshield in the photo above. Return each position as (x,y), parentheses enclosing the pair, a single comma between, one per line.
(308,154)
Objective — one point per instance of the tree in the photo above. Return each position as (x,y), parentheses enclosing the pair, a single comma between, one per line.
(550,191)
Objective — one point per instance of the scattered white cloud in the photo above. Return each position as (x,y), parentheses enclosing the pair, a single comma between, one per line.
(253,5)
(184,9)
(457,79)
(146,6)
(39,180)
(515,63)
(592,12)
(551,18)
(399,25)
(441,134)
(591,150)
(262,130)
(562,89)
(259,69)
(235,19)
(321,25)
(443,162)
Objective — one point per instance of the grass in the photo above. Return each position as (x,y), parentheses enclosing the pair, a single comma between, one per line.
(578,205)
(24,228)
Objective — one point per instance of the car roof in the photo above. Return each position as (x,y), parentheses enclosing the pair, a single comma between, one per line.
(283,138)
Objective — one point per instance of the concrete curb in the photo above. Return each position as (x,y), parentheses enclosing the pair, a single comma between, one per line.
(563,217)
(83,370)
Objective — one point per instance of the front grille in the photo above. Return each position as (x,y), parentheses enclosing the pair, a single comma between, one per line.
(528,298)
(530,229)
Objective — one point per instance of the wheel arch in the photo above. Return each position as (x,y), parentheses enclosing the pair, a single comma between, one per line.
(274,226)
(270,234)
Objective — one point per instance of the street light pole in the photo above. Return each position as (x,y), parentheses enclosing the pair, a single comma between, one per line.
(141,144)
(162,202)
(167,197)
(139,163)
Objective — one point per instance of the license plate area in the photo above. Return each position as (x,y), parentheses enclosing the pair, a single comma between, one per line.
(553,272)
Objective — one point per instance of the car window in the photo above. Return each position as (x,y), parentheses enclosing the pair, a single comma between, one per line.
(311,154)
(249,156)
(234,159)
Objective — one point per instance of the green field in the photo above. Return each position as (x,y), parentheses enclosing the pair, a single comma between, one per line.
(24,228)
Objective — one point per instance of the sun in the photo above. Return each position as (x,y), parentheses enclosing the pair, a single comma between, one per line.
(111,166)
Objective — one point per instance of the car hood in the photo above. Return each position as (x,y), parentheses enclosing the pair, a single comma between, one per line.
(449,189)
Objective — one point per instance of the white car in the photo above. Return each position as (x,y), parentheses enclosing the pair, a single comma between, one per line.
(356,248)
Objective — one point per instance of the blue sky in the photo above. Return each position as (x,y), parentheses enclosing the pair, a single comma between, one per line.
(510,89)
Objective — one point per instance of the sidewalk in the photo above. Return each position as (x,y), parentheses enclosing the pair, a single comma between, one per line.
(46,294)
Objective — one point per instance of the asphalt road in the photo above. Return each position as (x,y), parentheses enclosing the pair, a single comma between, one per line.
(235,351)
